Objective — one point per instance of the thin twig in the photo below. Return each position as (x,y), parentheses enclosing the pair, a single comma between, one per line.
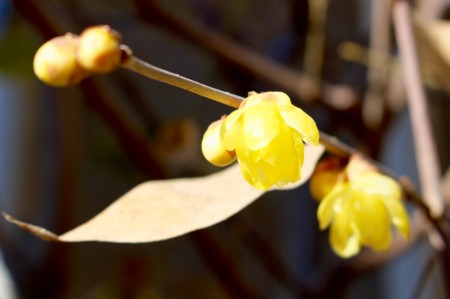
(315,38)
(139,66)
(426,153)
(374,104)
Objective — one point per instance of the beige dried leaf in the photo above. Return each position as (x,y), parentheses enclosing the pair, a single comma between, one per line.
(159,210)
(434,49)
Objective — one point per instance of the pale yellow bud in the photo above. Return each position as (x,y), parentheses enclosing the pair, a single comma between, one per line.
(55,62)
(213,149)
(99,49)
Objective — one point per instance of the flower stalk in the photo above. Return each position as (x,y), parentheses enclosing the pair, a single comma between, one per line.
(141,67)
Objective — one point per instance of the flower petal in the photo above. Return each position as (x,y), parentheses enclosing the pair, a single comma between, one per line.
(261,124)
(344,236)
(280,98)
(398,214)
(389,192)
(372,219)
(302,123)
(231,130)
(279,163)
(376,183)
(332,204)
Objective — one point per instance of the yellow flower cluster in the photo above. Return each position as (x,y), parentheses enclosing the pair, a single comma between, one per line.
(266,135)
(68,59)
(360,208)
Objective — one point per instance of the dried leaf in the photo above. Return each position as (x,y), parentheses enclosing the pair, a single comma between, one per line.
(434,50)
(159,210)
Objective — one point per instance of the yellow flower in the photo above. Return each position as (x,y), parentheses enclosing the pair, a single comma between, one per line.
(360,210)
(266,133)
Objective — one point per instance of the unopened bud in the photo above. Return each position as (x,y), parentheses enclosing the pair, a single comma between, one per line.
(213,149)
(99,49)
(326,175)
(55,62)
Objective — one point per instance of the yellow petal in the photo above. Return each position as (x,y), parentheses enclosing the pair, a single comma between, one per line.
(302,123)
(278,163)
(372,220)
(283,157)
(389,192)
(344,237)
(261,123)
(248,175)
(231,130)
(277,97)
(332,204)
(398,214)
(248,168)
(376,183)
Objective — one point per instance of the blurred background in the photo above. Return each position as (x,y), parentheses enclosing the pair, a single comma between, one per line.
(66,153)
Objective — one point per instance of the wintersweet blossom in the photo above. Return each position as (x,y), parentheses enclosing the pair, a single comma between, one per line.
(360,209)
(267,134)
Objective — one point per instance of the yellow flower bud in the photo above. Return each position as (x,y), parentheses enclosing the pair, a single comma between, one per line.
(213,149)
(55,62)
(99,49)
(326,175)
(267,133)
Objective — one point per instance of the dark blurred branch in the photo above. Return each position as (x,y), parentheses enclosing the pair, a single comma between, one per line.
(374,105)
(224,265)
(284,77)
(133,142)
(425,275)
(425,145)
(315,38)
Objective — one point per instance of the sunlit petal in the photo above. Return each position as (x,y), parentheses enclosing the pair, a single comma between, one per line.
(373,222)
(230,131)
(344,236)
(260,125)
(302,123)
(332,204)
(398,214)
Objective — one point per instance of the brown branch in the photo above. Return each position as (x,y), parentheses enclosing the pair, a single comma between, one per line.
(374,105)
(286,78)
(425,146)
(150,71)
